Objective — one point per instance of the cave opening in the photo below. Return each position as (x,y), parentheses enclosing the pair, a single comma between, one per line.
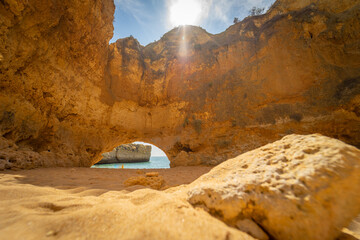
(135,155)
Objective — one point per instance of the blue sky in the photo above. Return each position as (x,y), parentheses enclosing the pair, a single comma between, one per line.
(148,20)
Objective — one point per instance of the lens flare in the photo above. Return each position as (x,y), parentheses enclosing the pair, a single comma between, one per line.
(185,12)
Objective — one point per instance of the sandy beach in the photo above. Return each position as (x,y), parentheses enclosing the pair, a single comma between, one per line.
(84,203)
(97,178)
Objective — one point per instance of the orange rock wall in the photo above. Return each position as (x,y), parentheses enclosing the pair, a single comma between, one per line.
(53,58)
(293,70)
(66,96)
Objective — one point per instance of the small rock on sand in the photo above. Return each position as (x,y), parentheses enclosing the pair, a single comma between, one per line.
(153,181)
(152,174)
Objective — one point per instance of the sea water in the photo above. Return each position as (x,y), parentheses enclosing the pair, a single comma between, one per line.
(155,162)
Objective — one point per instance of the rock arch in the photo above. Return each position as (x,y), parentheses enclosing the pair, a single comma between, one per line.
(66,95)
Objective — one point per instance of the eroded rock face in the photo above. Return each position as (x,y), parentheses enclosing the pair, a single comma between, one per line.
(301,187)
(127,153)
(52,66)
(285,72)
(67,96)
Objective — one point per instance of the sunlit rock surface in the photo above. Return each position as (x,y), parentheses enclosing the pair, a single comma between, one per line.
(300,187)
(151,179)
(127,153)
(67,96)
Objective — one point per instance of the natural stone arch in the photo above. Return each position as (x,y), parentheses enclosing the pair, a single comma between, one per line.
(70,96)
(129,142)
(141,155)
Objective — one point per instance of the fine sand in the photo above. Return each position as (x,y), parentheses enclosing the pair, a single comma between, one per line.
(101,179)
(80,203)
(84,203)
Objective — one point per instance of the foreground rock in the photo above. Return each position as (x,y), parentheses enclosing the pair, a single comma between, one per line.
(301,187)
(127,153)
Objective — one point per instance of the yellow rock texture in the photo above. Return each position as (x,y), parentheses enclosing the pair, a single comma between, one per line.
(52,70)
(67,96)
(300,187)
(151,179)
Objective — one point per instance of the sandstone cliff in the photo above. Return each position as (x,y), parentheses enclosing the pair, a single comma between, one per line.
(67,97)
(53,58)
(127,153)
(293,70)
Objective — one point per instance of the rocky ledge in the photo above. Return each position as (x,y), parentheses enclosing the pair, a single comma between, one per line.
(127,153)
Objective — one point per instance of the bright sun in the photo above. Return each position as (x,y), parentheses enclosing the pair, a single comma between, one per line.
(185,12)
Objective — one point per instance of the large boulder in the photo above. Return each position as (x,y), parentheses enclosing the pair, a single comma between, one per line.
(300,187)
(127,153)
(133,153)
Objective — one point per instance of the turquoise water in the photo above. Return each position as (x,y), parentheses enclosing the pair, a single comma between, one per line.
(155,162)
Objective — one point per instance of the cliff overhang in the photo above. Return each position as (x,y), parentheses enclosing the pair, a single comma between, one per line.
(67,96)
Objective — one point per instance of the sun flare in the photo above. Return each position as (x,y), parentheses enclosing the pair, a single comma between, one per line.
(185,12)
